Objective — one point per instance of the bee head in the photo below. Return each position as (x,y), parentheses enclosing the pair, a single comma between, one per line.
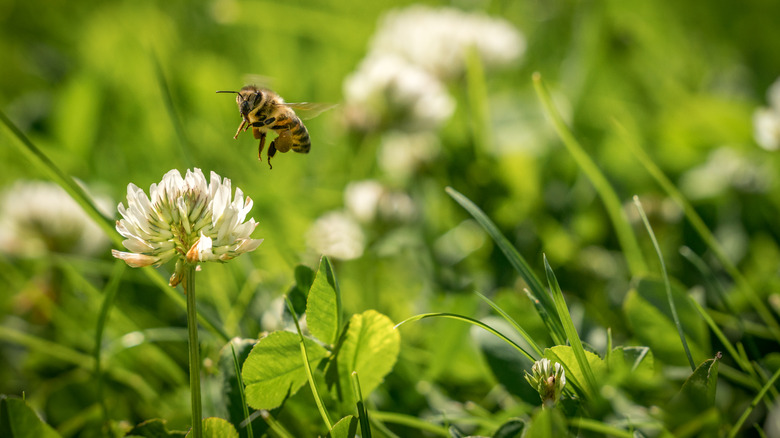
(247,99)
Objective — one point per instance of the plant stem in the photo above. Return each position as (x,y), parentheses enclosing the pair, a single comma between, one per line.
(188,284)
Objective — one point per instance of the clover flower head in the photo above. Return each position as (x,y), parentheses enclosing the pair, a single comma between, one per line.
(548,379)
(186,219)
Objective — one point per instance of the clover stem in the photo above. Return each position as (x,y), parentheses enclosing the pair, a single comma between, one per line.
(188,284)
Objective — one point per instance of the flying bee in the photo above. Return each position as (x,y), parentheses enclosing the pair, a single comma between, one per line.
(264,111)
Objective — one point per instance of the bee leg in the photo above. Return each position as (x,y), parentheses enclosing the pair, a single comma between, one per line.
(271,153)
(261,146)
(243,122)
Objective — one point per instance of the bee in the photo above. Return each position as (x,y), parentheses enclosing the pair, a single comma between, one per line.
(264,110)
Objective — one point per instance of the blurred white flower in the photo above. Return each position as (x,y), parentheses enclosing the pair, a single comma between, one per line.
(387,90)
(361,198)
(437,39)
(401,154)
(338,235)
(186,219)
(766,120)
(723,169)
(37,216)
(369,200)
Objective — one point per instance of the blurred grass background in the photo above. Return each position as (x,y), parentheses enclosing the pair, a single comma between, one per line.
(88,82)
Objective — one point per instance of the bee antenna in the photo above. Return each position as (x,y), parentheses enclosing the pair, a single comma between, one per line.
(224,91)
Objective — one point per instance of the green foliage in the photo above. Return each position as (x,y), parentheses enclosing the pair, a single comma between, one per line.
(18,420)
(217,428)
(323,309)
(534,168)
(154,428)
(345,428)
(650,318)
(370,348)
(274,369)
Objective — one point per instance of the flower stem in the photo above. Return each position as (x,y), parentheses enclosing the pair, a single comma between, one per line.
(188,284)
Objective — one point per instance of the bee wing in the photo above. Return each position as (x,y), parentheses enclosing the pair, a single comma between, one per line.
(308,110)
(258,80)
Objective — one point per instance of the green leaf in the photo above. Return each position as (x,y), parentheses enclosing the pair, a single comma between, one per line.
(696,396)
(648,314)
(217,428)
(298,293)
(274,368)
(323,308)
(154,428)
(574,376)
(18,420)
(631,366)
(699,388)
(370,347)
(231,393)
(344,428)
(547,423)
(513,428)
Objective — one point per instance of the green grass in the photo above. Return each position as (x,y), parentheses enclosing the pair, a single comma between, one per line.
(534,171)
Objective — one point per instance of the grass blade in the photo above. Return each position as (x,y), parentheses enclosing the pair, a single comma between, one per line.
(514,324)
(517,261)
(470,321)
(667,285)
(478,103)
(275,426)
(365,427)
(181,133)
(625,235)
(769,384)
(571,331)
(410,421)
(249,431)
(108,301)
(701,229)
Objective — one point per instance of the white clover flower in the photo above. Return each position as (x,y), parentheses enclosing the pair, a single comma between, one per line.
(766,120)
(437,39)
(186,219)
(338,235)
(37,217)
(387,90)
(549,379)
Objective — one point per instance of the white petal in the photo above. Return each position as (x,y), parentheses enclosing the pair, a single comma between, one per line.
(134,260)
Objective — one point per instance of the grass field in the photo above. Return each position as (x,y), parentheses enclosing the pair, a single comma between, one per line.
(590,182)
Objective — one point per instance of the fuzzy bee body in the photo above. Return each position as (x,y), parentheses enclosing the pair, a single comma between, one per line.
(264,111)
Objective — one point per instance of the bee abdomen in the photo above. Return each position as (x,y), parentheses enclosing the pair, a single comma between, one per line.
(301,141)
